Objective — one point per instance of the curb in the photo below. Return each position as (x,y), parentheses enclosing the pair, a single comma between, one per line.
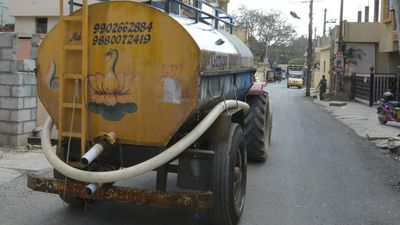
(337,103)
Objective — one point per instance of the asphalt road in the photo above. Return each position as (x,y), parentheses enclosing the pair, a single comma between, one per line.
(319,172)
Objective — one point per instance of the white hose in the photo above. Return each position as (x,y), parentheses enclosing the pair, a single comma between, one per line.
(141,168)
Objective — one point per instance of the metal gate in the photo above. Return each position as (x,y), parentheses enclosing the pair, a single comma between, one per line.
(370,87)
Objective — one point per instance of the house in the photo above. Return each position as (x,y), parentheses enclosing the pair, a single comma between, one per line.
(375,42)
(40,16)
(34,16)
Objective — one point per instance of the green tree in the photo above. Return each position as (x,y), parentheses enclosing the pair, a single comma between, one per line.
(352,55)
(247,18)
(268,31)
(283,53)
(296,61)
(298,47)
(273,30)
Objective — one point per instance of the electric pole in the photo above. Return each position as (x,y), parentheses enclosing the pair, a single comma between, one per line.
(323,34)
(340,53)
(309,50)
(2,14)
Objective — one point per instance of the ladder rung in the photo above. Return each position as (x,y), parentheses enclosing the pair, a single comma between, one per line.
(73,47)
(72,105)
(72,76)
(73,18)
(72,134)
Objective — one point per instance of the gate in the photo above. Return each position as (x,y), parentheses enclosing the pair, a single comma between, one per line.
(370,87)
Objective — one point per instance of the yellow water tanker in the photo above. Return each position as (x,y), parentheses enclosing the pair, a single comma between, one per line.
(148,72)
(151,85)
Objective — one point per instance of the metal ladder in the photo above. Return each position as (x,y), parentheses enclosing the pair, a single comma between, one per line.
(75,110)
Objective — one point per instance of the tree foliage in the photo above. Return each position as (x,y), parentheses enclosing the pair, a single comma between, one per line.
(352,55)
(267,30)
(296,61)
(295,50)
(274,30)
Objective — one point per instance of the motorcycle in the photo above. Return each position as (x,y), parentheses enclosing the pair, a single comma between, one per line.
(388,109)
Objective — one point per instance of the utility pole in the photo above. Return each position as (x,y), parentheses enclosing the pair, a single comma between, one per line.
(376,10)
(396,6)
(323,34)
(327,21)
(1,12)
(1,6)
(366,14)
(340,52)
(341,26)
(309,50)
(315,32)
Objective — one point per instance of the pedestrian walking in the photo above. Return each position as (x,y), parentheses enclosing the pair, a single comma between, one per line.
(322,87)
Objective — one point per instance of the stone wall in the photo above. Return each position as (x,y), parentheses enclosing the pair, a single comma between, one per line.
(17,94)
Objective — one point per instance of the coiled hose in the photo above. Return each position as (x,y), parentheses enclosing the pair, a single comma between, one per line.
(141,168)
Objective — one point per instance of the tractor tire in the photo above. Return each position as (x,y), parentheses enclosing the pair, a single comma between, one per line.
(269,129)
(229,178)
(258,128)
(75,202)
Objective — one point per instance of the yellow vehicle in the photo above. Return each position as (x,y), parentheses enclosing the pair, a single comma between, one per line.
(295,80)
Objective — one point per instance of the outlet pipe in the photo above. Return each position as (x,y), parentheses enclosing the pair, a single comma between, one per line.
(92,154)
(102,142)
(141,168)
(92,188)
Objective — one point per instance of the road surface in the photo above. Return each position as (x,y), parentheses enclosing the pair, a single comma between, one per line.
(319,172)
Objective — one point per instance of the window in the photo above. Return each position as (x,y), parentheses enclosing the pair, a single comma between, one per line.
(324,66)
(41,25)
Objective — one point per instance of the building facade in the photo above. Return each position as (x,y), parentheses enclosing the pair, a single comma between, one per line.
(378,42)
(36,16)
(40,16)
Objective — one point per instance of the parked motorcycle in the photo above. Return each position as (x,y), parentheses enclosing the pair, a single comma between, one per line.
(388,109)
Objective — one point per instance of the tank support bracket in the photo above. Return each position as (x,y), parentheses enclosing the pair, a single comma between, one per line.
(199,200)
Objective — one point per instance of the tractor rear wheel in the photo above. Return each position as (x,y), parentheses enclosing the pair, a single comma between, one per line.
(258,127)
(229,178)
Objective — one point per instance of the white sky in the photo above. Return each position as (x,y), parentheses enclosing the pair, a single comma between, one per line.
(302,9)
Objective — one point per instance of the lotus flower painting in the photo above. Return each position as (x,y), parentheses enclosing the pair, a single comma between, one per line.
(110,93)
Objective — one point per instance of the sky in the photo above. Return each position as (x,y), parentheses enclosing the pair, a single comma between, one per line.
(350,8)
